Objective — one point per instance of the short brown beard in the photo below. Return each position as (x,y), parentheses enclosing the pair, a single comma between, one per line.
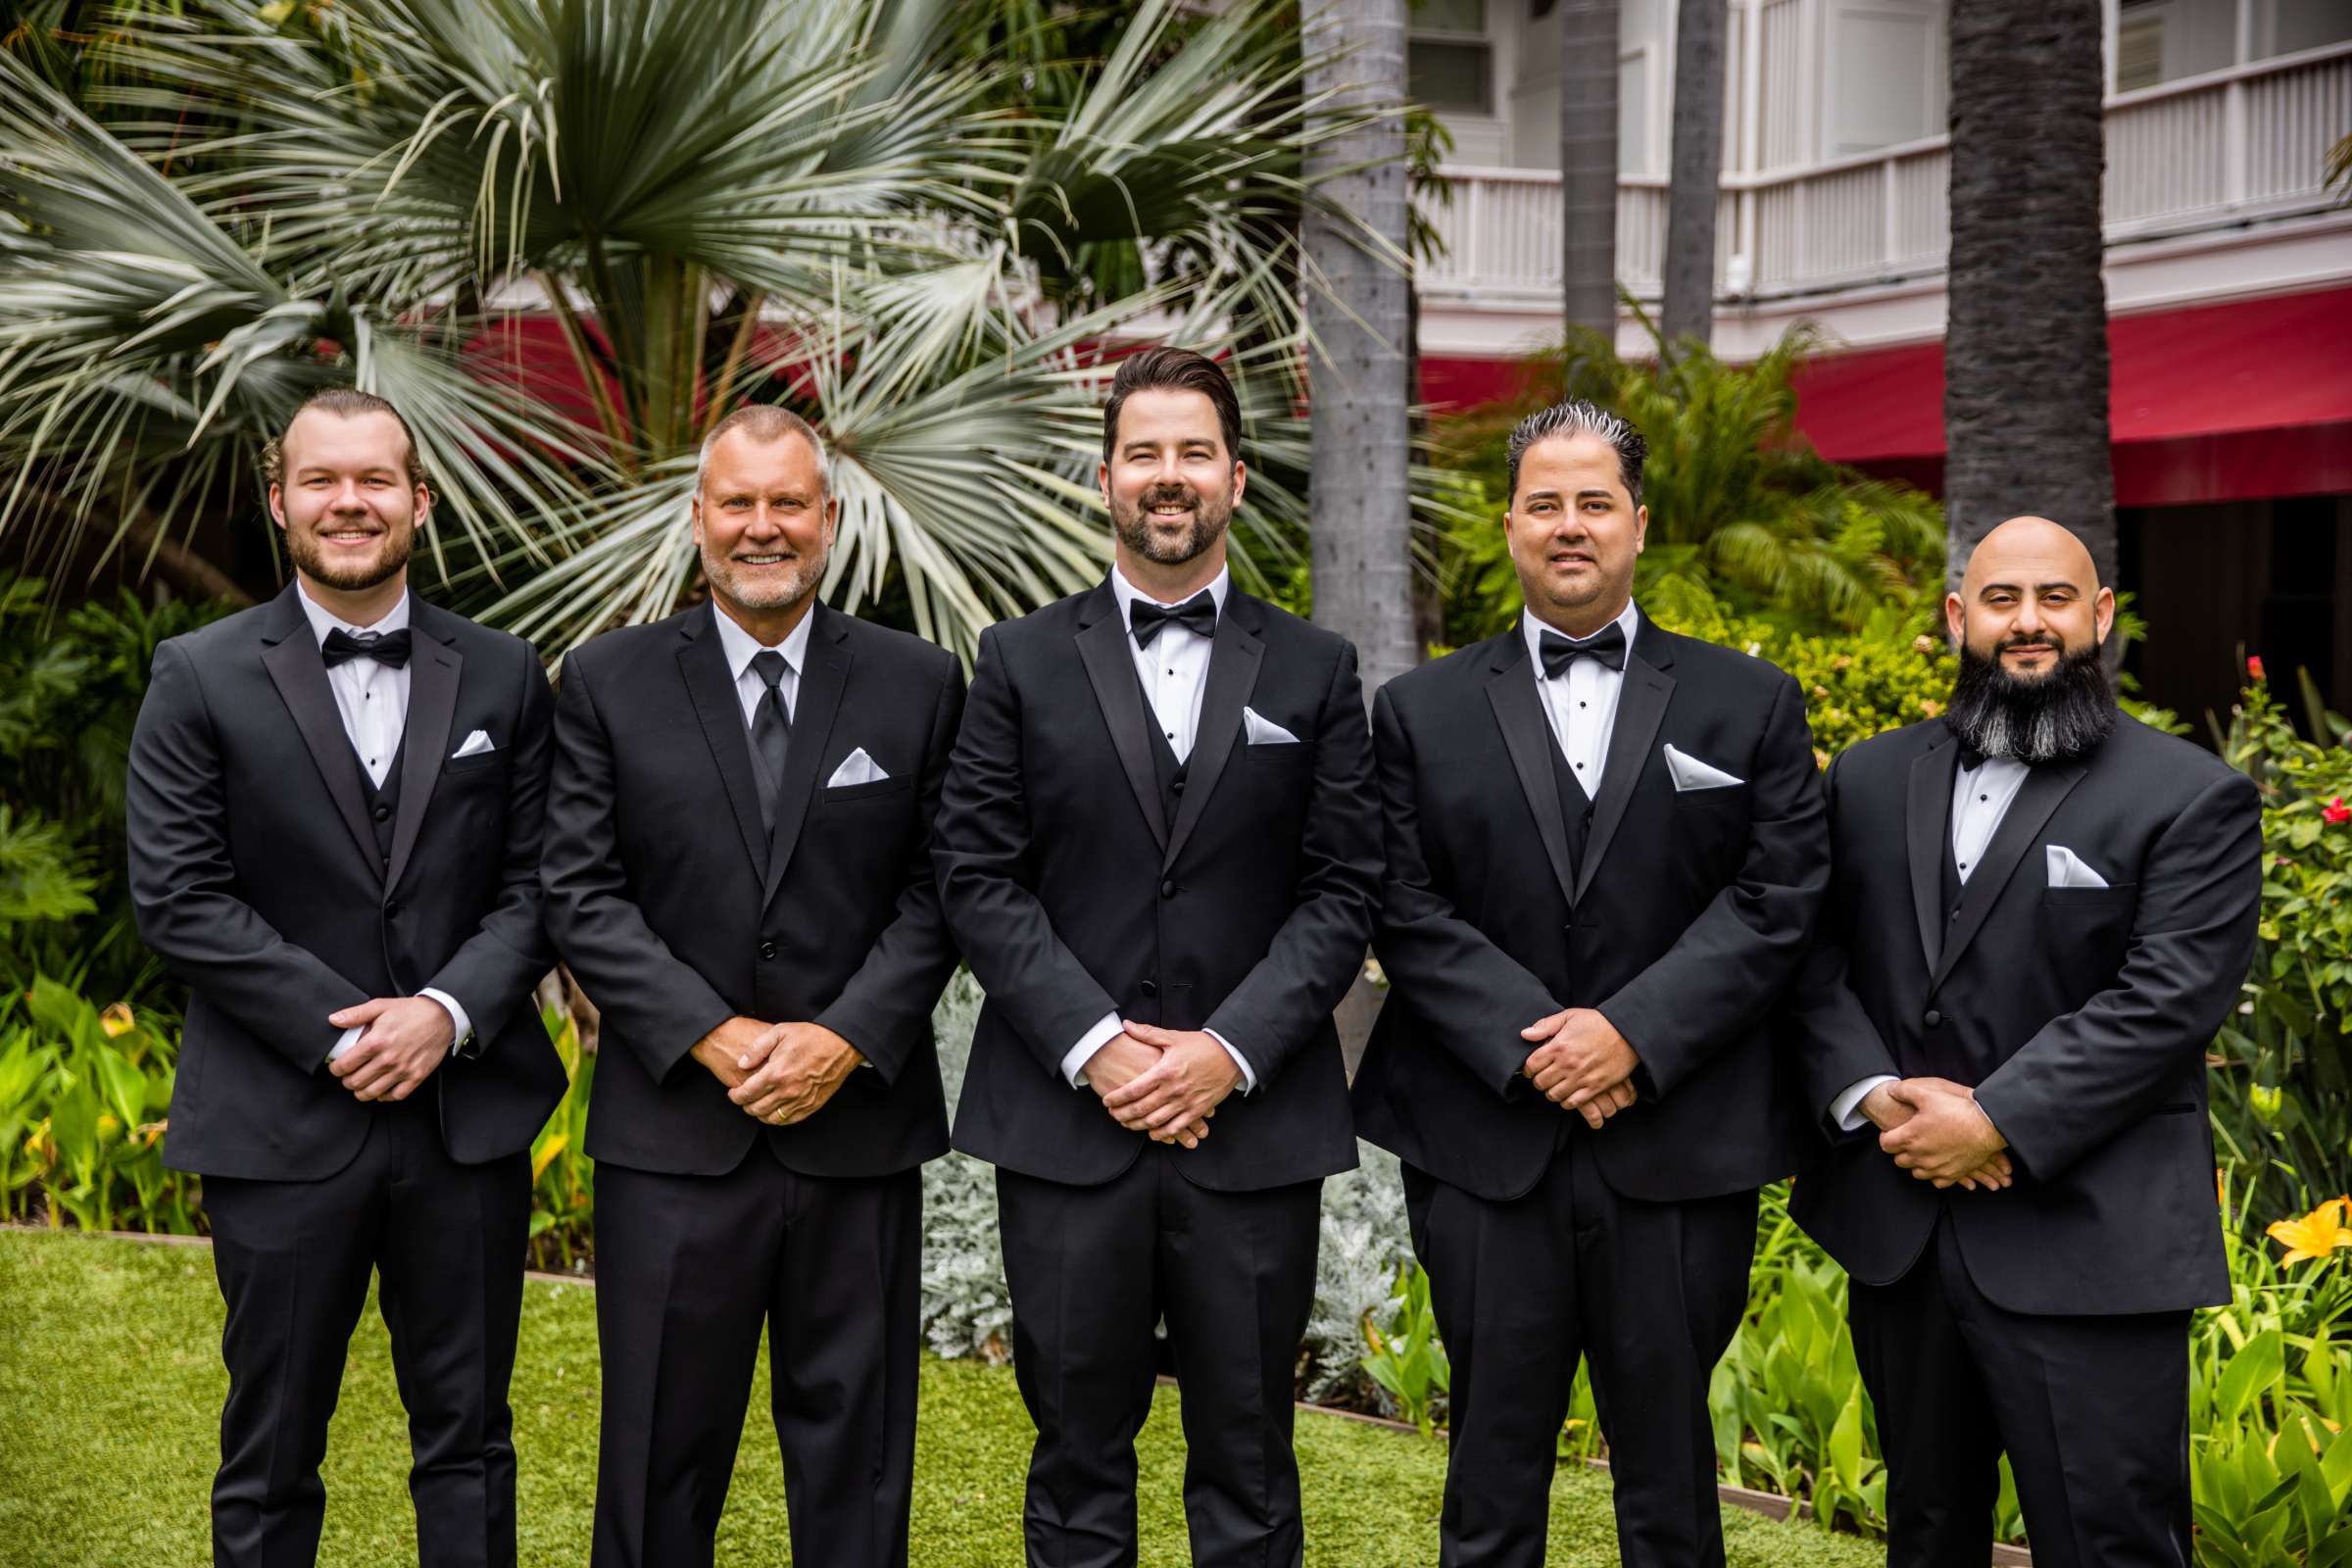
(1210,519)
(302,543)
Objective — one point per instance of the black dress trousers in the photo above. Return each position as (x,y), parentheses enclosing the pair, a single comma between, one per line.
(293,1260)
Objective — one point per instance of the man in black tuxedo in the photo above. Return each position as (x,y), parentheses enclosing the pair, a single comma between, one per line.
(1158,847)
(2041,912)
(738,872)
(335,807)
(1605,852)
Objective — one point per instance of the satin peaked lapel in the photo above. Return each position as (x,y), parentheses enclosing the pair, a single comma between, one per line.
(1103,646)
(1234,656)
(813,707)
(703,666)
(300,676)
(1641,708)
(433,669)
(1927,824)
(2037,799)
(1526,733)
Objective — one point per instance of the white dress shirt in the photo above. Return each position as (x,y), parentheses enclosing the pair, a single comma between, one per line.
(1981,797)
(741,647)
(374,701)
(1174,671)
(1582,699)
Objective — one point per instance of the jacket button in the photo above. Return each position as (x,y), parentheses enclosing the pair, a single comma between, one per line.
(767,950)
(1934,1019)
(383,813)
(1151,988)
(391,912)
(1167,889)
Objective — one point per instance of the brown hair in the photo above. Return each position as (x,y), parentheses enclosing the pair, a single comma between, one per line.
(1174,369)
(344,402)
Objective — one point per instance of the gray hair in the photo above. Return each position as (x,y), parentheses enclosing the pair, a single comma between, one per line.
(764,422)
(1575,417)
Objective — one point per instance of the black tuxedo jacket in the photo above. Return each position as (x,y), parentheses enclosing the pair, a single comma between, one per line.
(257,875)
(1688,915)
(674,915)
(1074,895)
(2080,1015)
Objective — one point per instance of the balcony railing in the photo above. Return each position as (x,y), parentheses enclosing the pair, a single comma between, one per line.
(2232,146)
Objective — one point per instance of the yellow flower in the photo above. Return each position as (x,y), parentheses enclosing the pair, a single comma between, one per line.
(117,1020)
(2316,1234)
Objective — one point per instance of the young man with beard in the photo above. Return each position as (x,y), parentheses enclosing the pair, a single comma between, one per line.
(333,809)
(2041,910)
(738,872)
(1159,850)
(1605,851)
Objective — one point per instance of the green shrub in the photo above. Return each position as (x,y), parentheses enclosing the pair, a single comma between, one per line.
(83,1096)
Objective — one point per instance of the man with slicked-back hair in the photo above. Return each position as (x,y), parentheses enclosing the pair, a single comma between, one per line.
(1605,854)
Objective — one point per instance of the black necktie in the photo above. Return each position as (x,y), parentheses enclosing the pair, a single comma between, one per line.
(771,732)
(389,649)
(1197,614)
(1606,645)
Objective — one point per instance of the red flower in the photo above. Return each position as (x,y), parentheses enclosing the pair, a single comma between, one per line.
(2337,812)
(2254,668)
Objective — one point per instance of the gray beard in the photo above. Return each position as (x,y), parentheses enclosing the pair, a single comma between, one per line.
(2064,717)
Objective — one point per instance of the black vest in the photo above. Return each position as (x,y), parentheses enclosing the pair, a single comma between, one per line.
(1164,768)
(383,802)
(1576,806)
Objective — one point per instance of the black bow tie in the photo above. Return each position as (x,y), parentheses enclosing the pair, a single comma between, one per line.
(390,650)
(1970,757)
(1197,614)
(1606,645)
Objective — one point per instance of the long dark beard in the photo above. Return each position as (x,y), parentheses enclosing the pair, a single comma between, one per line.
(2066,715)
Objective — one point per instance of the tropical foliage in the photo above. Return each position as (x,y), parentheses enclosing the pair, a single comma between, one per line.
(1745,520)
(845,206)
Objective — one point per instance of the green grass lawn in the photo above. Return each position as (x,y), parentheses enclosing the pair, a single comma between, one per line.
(111,1386)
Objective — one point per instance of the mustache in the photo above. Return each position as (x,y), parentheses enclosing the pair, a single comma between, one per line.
(1168,495)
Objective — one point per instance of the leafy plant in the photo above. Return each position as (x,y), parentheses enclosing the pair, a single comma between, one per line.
(563,1176)
(1407,1358)
(83,1097)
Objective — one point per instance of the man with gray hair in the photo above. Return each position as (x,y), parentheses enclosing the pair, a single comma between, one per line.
(738,871)
(1605,851)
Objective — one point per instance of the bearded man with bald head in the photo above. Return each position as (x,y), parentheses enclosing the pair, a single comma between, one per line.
(2041,909)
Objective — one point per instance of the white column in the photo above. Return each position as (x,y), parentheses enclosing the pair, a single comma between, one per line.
(2109,24)
(2233,112)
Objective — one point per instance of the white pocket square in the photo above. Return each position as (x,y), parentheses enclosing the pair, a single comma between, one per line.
(856,769)
(1690,773)
(1264,731)
(475,744)
(2069,869)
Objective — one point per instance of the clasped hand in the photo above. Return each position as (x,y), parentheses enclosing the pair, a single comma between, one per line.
(1581,1062)
(777,1073)
(405,1038)
(1937,1131)
(1165,1083)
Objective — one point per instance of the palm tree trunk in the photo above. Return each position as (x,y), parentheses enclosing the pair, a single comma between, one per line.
(1588,164)
(1688,310)
(1359,315)
(2024,400)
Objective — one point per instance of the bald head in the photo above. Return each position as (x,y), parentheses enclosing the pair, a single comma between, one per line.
(2031,596)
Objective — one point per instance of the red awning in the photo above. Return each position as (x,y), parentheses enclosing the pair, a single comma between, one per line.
(2229,402)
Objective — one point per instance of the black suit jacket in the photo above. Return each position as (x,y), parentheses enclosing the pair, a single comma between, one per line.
(255,873)
(1074,896)
(2080,1015)
(666,901)
(1687,916)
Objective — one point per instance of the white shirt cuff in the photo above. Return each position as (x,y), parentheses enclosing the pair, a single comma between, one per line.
(456,1017)
(1845,1111)
(1249,1078)
(349,1038)
(1074,1060)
